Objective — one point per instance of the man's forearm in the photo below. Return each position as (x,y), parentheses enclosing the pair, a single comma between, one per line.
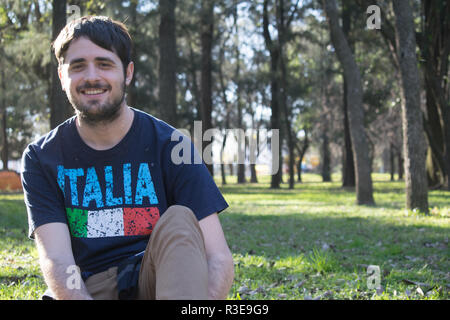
(220,277)
(64,281)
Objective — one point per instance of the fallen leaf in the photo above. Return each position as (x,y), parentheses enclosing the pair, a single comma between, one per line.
(419,284)
(301,283)
(243,290)
(291,277)
(419,291)
(324,295)
(273,285)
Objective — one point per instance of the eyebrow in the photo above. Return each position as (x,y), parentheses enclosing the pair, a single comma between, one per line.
(99,59)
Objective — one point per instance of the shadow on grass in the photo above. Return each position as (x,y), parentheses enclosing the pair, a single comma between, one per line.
(282,236)
(13,214)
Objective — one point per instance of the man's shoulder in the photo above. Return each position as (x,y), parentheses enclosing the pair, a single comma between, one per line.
(153,125)
(153,119)
(50,140)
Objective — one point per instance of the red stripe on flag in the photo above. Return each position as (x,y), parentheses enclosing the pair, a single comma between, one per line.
(139,221)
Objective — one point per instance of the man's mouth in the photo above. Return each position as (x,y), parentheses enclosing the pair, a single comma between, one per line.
(93,92)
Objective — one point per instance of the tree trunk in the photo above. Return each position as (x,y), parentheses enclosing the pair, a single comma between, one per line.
(391,161)
(274,90)
(207,25)
(240,139)
(253,175)
(231,168)
(288,124)
(194,88)
(400,165)
(299,170)
(253,147)
(167,62)
(348,179)
(222,172)
(282,29)
(435,50)
(301,154)
(60,108)
(241,157)
(227,115)
(326,165)
(348,171)
(364,191)
(413,138)
(133,25)
(4,118)
(434,129)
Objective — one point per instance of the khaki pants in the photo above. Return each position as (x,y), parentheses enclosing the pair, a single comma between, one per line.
(174,265)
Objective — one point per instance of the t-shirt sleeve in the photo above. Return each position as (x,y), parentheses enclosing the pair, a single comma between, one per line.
(42,197)
(190,184)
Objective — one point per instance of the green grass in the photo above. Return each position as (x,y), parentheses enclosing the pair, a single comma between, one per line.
(312,242)
(20,276)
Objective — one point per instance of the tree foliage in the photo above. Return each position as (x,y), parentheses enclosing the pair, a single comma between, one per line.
(271,65)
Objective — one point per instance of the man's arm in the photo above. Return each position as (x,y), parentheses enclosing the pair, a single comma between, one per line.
(57,262)
(219,258)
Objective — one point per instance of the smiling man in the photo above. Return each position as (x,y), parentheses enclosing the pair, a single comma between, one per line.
(113,217)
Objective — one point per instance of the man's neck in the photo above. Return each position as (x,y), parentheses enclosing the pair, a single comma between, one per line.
(104,136)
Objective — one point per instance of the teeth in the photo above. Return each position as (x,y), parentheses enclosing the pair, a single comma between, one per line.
(93,91)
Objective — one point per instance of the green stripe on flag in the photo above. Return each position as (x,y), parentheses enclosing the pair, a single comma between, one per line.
(77,222)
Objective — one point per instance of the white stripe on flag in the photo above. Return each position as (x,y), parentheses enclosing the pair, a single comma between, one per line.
(105,223)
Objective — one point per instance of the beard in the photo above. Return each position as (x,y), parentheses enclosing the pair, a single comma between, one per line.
(94,112)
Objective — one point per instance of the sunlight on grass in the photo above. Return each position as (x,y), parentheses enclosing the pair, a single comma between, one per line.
(332,241)
(312,242)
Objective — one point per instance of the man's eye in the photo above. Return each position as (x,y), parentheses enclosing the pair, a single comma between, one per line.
(76,67)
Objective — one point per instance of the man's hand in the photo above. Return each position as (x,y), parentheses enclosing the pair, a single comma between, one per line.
(58,264)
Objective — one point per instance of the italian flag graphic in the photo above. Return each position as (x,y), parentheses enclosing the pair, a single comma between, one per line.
(112,222)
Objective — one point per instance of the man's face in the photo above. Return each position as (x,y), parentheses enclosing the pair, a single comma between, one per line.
(94,81)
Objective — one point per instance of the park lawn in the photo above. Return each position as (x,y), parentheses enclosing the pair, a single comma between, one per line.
(312,242)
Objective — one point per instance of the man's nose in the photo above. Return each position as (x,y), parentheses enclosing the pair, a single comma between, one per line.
(91,73)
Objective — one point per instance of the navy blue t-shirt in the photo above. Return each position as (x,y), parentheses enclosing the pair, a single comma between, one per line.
(112,199)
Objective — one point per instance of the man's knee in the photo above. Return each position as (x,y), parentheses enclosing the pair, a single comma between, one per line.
(179,219)
(177,225)
(179,210)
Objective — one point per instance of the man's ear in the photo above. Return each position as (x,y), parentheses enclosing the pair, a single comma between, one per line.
(129,73)
(61,79)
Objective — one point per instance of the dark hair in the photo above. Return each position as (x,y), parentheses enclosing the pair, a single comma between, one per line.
(103,31)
